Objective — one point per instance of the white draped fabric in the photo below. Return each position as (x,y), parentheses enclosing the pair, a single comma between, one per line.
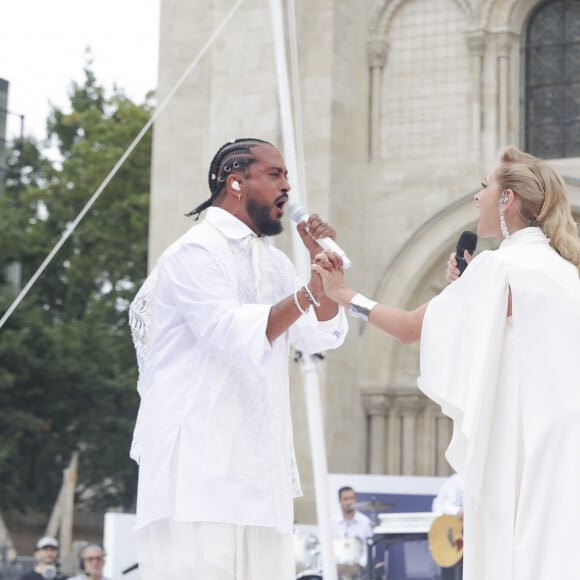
(171,550)
(512,388)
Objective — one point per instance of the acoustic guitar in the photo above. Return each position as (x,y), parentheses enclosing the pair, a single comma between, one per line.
(446,540)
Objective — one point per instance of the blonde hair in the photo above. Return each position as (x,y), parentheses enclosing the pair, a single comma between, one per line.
(543,200)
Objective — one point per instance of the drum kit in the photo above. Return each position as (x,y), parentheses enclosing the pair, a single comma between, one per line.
(347,550)
(306,552)
(347,553)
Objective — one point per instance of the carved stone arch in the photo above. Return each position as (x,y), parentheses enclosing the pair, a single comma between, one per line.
(374,17)
(412,276)
(383,11)
(383,21)
(507,14)
(422,247)
(416,274)
(495,13)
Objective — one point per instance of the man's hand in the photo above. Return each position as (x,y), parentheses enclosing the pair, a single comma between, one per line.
(312,230)
(328,274)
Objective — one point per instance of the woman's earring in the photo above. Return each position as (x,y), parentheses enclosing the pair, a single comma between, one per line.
(504,231)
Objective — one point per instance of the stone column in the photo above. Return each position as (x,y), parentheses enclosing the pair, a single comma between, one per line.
(376,405)
(377,58)
(505,40)
(394,444)
(409,407)
(476,44)
(427,439)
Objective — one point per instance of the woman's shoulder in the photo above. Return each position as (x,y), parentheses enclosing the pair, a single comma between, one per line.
(507,257)
(485,261)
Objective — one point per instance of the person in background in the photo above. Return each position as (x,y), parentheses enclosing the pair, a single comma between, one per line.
(92,561)
(449,501)
(351,523)
(46,561)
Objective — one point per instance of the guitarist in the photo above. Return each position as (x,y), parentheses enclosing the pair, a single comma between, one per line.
(449,501)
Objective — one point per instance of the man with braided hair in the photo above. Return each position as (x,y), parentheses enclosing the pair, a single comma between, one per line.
(212,327)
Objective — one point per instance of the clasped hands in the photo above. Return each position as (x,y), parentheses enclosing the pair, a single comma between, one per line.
(328,266)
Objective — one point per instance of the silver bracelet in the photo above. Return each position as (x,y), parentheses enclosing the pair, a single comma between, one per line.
(310,296)
(360,307)
(297,302)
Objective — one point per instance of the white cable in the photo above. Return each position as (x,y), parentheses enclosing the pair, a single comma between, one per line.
(71,227)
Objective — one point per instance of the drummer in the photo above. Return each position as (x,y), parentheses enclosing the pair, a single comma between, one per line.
(352,523)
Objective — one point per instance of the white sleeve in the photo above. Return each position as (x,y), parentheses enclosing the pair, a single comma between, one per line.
(191,281)
(449,500)
(461,345)
(310,335)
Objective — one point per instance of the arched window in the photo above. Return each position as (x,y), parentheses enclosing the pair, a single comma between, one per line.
(552,79)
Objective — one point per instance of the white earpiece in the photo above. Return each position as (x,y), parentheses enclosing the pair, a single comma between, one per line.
(235,185)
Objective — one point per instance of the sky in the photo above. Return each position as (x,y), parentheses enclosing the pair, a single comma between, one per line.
(42,50)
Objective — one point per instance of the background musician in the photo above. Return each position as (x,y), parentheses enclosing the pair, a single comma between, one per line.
(449,501)
(351,524)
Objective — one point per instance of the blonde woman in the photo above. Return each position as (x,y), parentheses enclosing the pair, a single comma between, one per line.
(499,352)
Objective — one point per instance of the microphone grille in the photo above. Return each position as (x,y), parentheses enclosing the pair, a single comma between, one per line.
(467,241)
(296,212)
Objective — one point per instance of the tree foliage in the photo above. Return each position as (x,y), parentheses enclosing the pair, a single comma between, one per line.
(67,366)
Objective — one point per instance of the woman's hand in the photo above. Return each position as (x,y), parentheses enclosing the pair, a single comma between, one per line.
(327,267)
(452,272)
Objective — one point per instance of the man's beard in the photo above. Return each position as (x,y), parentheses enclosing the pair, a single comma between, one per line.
(260,215)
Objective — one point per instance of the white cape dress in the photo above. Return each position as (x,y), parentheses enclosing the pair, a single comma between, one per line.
(512,388)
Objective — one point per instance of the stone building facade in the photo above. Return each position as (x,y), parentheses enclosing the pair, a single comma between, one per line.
(405,105)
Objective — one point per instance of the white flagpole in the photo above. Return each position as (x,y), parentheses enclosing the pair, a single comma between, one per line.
(308,365)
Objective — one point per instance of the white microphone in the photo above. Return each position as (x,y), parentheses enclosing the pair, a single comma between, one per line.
(297,214)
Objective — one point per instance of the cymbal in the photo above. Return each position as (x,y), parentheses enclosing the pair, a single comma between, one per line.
(372,506)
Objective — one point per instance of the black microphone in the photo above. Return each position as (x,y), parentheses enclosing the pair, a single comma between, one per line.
(297,214)
(467,241)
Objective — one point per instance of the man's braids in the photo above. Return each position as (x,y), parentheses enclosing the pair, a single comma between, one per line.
(233,156)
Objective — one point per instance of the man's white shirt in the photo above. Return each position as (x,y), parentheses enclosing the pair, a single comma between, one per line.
(214,391)
(359,527)
(449,500)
